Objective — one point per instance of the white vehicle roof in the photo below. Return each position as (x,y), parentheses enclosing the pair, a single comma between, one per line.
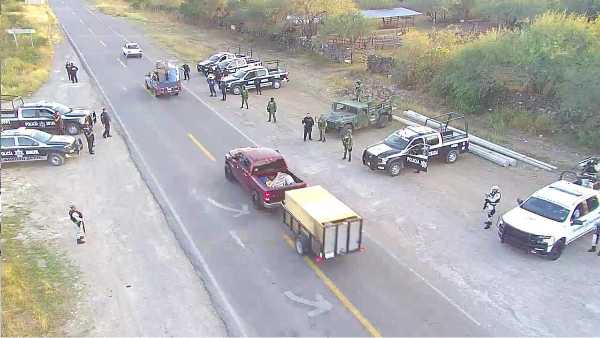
(132,45)
(421,130)
(565,193)
(251,68)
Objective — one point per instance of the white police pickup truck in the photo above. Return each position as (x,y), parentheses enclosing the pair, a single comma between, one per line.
(551,218)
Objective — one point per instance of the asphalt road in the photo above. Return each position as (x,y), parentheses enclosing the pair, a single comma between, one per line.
(246,261)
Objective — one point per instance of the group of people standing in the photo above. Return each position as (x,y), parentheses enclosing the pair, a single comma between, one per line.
(71,72)
(88,131)
(308,122)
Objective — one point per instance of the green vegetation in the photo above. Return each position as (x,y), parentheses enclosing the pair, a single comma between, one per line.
(26,68)
(37,285)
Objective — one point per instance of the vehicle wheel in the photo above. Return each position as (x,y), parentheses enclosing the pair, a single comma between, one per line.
(345,129)
(381,122)
(56,159)
(452,156)
(395,167)
(72,129)
(257,201)
(301,244)
(276,84)
(557,250)
(228,173)
(237,90)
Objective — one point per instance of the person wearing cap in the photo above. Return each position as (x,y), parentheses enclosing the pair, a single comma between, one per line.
(77,218)
(89,137)
(347,143)
(491,201)
(271,109)
(308,123)
(105,119)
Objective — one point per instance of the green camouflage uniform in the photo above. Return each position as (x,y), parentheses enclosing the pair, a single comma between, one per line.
(347,142)
(272,108)
(322,128)
(244,94)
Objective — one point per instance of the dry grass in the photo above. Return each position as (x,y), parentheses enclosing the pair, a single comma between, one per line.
(37,284)
(26,68)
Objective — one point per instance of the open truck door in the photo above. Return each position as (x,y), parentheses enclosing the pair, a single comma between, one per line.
(418,157)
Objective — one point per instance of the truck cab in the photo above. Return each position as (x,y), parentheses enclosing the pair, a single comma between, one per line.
(263,173)
(551,218)
(203,66)
(230,66)
(267,77)
(352,114)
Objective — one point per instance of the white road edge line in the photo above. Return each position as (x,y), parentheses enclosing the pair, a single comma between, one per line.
(196,252)
(236,238)
(102,43)
(121,62)
(91,31)
(80,19)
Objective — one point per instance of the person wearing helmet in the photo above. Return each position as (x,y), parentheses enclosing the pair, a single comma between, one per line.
(77,218)
(491,201)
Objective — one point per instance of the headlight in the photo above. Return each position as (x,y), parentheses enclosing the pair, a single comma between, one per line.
(545,239)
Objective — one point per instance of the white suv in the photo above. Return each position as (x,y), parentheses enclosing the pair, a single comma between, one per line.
(551,218)
(132,49)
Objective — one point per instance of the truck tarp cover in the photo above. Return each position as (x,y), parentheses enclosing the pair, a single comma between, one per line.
(316,207)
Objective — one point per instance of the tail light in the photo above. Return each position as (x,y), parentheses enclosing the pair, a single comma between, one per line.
(267,196)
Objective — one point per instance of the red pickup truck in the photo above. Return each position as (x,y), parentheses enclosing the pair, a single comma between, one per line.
(263,173)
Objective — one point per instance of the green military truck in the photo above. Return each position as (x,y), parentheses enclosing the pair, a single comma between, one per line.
(352,114)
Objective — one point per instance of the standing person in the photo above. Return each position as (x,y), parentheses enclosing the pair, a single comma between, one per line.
(186,71)
(74,70)
(272,109)
(257,85)
(89,137)
(223,87)
(595,238)
(68,68)
(105,119)
(347,143)
(59,125)
(491,201)
(77,218)
(322,124)
(308,123)
(211,85)
(244,93)
(94,117)
(358,87)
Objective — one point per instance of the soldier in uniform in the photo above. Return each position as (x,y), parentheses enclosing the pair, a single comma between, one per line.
(89,137)
(105,119)
(257,85)
(77,218)
(322,123)
(244,94)
(347,143)
(271,109)
(58,123)
(358,89)
(491,201)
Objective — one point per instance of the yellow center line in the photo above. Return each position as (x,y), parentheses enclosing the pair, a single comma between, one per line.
(202,148)
(338,293)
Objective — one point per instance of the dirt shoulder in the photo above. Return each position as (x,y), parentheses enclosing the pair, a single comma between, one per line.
(136,280)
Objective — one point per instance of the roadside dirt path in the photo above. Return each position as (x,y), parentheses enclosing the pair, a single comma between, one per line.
(136,279)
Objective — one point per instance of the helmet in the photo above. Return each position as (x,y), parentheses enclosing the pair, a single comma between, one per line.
(495,189)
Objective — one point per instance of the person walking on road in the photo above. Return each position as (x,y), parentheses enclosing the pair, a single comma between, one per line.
(89,137)
(322,124)
(74,70)
(223,87)
(68,68)
(211,84)
(105,119)
(272,109)
(308,123)
(77,218)
(595,238)
(59,125)
(257,85)
(347,143)
(489,205)
(244,94)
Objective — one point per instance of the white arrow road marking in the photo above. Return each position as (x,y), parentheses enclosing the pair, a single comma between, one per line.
(320,304)
(236,238)
(237,212)
(121,62)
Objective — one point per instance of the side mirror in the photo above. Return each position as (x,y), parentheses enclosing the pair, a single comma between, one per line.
(519,201)
(577,222)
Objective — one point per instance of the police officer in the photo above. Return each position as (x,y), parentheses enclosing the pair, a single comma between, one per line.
(89,137)
(308,123)
(58,123)
(74,70)
(271,109)
(77,218)
(223,87)
(211,84)
(322,124)
(68,68)
(595,238)
(105,119)
(347,143)
(491,201)
(244,94)
(186,71)
(257,85)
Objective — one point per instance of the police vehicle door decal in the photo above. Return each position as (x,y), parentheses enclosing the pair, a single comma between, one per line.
(417,161)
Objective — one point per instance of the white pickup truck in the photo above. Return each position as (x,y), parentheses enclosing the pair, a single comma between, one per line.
(551,218)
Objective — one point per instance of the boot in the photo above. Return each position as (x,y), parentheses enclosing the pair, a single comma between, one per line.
(488,224)
(592,249)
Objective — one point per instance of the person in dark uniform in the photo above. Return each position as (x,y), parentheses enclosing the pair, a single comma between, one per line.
(58,123)
(308,123)
(347,143)
(186,71)
(211,84)
(223,87)
(74,70)
(68,68)
(105,119)
(272,109)
(77,218)
(89,137)
(257,85)
(94,117)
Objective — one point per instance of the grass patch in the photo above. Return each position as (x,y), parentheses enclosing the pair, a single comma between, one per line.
(26,68)
(37,283)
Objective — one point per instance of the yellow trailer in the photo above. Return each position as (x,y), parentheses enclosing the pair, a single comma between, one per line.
(322,224)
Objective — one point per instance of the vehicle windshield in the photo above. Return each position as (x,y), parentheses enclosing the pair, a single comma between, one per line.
(396,141)
(61,108)
(269,167)
(214,57)
(546,209)
(133,46)
(340,107)
(40,135)
(240,73)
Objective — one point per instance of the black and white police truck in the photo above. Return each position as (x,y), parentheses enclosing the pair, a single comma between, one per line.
(24,145)
(413,146)
(269,75)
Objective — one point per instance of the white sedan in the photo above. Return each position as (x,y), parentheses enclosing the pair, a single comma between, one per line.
(132,49)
